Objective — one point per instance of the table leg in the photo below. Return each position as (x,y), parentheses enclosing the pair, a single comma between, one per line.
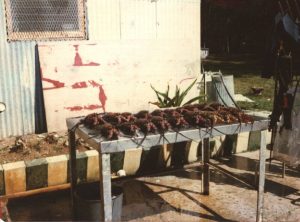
(205,161)
(72,166)
(261,185)
(105,186)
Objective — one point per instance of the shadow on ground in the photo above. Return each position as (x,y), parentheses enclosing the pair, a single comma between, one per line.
(139,202)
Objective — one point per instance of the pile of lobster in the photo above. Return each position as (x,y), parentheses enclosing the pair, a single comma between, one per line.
(112,125)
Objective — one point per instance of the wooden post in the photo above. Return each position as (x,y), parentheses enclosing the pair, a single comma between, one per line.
(261,183)
(105,186)
(205,160)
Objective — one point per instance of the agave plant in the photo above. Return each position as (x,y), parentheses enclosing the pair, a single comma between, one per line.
(164,100)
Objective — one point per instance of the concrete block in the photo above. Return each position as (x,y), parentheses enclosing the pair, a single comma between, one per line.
(14,177)
(192,151)
(165,155)
(81,167)
(178,154)
(36,174)
(132,161)
(242,142)
(150,160)
(117,161)
(57,170)
(217,145)
(254,140)
(2,184)
(92,165)
(268,136)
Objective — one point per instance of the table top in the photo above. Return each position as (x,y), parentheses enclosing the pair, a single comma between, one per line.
(94,139)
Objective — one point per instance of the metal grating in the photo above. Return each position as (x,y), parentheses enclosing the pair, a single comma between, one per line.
(45,19)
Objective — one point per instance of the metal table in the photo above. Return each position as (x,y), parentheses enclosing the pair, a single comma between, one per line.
(105,148)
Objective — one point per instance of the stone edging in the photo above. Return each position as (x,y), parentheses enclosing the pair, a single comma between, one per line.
(21,176)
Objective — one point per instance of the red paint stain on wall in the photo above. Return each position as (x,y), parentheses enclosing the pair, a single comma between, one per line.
(102,96)
(74,108)
(56,84)
(78,59)
(79,108)
(79,85)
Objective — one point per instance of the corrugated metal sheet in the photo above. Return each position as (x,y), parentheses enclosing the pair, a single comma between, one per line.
(17,84)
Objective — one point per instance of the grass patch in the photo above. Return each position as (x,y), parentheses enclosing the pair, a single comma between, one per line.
(246,70)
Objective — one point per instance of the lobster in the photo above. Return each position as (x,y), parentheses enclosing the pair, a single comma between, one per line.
(93,120)
(128,128)
(109,132)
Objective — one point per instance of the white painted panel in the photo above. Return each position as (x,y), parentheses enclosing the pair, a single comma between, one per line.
(178,19)
(112,76)
(138,19)
(103,19)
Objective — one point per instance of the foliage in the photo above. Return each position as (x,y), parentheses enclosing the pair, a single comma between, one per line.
(164,99)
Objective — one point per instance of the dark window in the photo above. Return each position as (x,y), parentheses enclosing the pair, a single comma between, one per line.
(45,19)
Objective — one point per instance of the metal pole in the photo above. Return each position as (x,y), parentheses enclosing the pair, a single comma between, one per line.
(105,186)
(72,165)
(261,184)
(205,160)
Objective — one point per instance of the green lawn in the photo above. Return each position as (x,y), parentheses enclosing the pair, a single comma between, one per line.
(246,70)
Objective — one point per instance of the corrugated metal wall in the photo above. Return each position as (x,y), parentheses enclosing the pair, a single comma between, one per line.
(17,64)
(107,20)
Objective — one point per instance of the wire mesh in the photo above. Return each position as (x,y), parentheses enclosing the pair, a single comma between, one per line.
(45,19)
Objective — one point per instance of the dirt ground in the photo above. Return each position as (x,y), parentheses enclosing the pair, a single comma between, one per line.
(34,146)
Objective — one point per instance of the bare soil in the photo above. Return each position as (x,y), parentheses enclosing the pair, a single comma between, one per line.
(35,146)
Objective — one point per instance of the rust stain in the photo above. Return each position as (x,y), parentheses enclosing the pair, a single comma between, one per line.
(56,84)
(78,59)
(79,85)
